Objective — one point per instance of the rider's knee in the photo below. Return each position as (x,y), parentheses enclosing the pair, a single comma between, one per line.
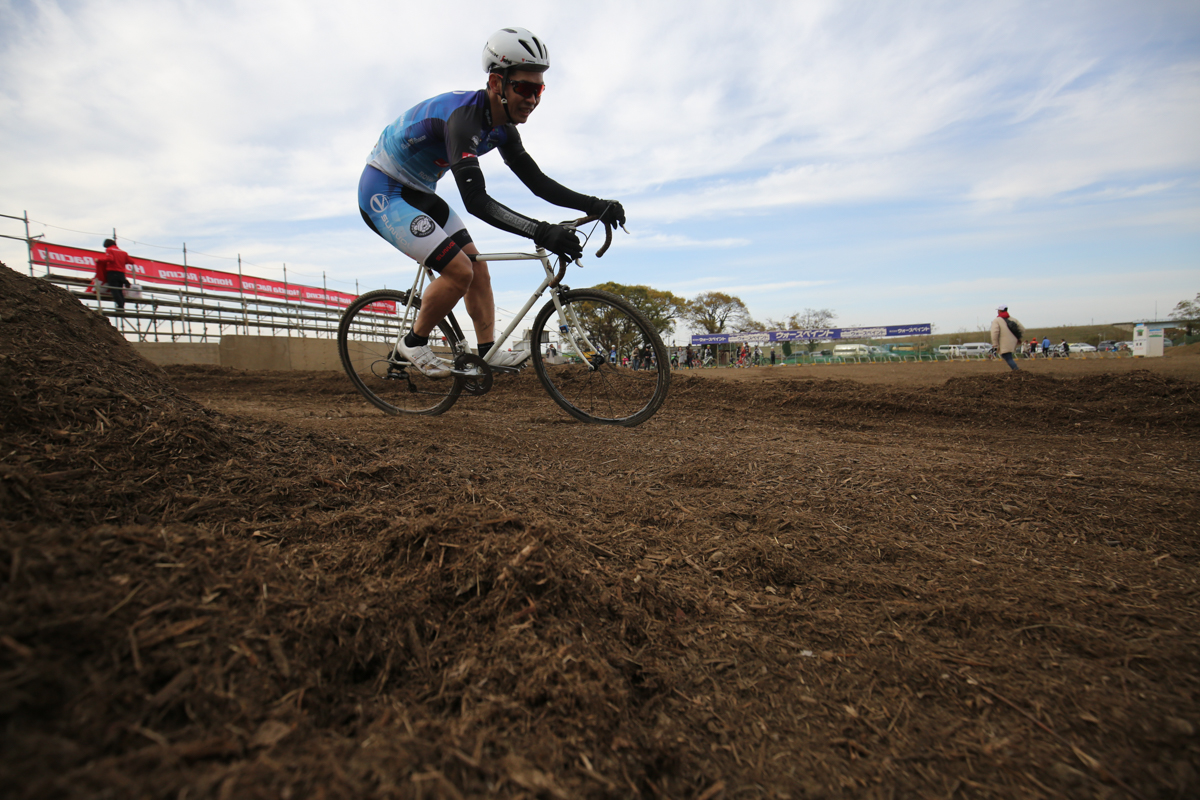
(480,275)
(460,272)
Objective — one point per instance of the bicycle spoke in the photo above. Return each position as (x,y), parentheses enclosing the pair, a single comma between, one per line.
(367,337)
(583,380)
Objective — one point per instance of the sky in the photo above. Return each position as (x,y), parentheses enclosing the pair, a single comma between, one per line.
(895,162)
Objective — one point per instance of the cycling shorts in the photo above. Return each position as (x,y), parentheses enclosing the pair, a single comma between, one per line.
(419,224)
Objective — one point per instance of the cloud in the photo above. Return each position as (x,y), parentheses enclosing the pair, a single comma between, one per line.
(676,241)
(858,138)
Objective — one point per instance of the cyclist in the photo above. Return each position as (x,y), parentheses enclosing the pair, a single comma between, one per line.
(449,132)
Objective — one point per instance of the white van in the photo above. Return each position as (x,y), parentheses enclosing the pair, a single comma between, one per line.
(975,348)
(850,350)
(949,350)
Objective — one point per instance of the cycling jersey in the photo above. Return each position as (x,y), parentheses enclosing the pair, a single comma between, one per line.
(433,136)
(450,132)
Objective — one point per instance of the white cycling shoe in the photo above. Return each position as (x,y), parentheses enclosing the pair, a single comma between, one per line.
(507,358)
(424,360)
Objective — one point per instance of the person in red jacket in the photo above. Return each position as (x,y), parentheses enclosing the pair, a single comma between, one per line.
(111,269)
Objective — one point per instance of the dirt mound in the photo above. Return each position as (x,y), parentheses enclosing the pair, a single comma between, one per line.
(77,403)
(1192,349)
(188,590)
(805,588)
(1035,402)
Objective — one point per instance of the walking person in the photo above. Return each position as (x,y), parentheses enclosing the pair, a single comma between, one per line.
(111,269)
(1006,336)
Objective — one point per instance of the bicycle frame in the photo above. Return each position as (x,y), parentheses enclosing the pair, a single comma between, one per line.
(552,280)
(585,384)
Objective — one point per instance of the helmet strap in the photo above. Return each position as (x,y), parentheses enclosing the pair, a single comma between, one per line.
(503,98)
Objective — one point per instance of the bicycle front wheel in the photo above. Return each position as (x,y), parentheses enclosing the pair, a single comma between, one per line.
(367,337)
(582,378)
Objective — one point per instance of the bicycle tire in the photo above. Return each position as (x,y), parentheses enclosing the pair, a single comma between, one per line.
(586,385)
(366,336)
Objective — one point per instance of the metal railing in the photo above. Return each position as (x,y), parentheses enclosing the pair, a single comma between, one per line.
(177,314)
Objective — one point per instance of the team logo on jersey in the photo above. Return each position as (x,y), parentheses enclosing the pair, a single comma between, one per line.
(379,203)
(421,226)
(441,162)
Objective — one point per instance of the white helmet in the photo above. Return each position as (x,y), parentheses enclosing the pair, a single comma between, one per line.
(515,48)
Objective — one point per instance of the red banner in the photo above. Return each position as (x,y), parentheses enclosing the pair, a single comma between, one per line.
(147,271)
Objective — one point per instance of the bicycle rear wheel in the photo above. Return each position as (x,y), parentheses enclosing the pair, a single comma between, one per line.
(581,378)
(367,336)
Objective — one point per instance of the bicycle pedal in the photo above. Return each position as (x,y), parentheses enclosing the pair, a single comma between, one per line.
(476,374)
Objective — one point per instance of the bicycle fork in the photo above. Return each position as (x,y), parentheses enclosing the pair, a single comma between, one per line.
(572,332)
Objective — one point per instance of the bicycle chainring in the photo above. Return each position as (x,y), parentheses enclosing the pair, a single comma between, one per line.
(478,380)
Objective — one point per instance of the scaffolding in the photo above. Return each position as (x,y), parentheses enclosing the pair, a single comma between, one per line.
(188,309)
(161,314)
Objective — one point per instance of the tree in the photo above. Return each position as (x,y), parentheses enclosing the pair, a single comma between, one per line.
(1188,312)
(716,312)
(659,307)
(751,324)
(807,320)
(607,327)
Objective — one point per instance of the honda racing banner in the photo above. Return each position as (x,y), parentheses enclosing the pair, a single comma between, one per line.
(814,334)
(147,271)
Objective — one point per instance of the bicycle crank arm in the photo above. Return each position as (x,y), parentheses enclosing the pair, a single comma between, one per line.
(476,374)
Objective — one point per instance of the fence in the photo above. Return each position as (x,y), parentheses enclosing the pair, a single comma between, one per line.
(183,303)
(728,358)
(177,314)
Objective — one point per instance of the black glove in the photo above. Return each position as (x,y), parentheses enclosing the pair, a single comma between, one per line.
(610,212)
(558,240)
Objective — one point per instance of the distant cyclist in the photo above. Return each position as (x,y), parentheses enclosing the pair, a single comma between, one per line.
(448,132)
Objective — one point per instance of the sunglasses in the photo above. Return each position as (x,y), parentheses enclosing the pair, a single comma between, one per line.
(528,88)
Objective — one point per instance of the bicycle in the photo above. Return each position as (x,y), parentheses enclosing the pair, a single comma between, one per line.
(580,378)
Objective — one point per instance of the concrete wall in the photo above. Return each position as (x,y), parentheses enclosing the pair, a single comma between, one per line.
(163,353)
(264,353)
(248,352)
(279,353)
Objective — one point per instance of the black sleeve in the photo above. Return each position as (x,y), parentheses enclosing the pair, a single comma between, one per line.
(471,186)
(525,168)
(462,142)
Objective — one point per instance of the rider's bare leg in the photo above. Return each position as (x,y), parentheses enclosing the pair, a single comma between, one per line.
(480,302)
(460,279)
(443,293)
(466,279)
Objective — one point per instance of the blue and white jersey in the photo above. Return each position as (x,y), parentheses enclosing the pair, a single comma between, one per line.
(433,136)
(449,132)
